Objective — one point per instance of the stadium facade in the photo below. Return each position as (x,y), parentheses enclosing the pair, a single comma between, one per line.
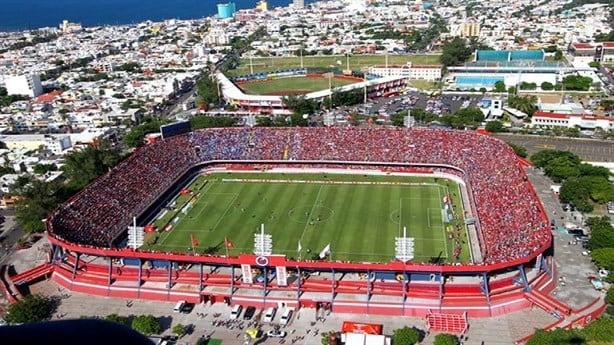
(513,67)
(511,270)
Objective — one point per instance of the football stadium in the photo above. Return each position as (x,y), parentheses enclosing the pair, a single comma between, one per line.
(417,222)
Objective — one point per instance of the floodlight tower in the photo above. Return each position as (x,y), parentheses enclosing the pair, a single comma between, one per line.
(263,243)
(404,247)
(263,247)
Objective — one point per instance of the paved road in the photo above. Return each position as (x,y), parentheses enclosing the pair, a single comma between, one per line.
(573,268)
(590,150)
(493,331)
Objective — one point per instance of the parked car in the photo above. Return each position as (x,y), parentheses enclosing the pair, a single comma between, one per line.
(236,312)
(276,333)
(187,308)
(249,313)
(286,317)
(269,315)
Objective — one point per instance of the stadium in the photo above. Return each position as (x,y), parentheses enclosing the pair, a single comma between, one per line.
(263,92)
(508,232)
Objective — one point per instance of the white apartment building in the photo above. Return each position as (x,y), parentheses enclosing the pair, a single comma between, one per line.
(25,84)
(54,143)
(420,72)
(298,4)
(216,37)
(583,121)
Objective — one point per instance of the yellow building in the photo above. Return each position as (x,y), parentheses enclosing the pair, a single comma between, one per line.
(262,6)
(470,29)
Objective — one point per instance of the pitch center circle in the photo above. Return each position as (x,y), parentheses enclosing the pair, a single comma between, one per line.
(310,214)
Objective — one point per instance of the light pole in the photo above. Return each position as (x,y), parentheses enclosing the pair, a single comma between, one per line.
(330,86)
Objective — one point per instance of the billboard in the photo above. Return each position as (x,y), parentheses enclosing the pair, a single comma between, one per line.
(246,271)
(175,129)
(282,275)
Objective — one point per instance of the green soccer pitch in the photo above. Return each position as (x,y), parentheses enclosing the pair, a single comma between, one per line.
(359,215)
(292,85)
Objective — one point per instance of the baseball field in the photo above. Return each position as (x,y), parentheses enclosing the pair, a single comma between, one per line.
(358,215)
(292,85)
(356,62)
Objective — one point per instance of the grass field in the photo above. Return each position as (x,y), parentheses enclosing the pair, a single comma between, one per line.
(357,62)
(360,220)
(293,85)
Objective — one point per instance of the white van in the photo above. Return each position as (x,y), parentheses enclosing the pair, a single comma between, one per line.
(269,314)
(235,312)
(178,307)
(286,317)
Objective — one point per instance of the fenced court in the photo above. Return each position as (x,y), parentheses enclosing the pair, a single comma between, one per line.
(358,215)
(356,62)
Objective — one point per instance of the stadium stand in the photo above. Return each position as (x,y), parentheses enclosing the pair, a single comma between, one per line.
(512,224)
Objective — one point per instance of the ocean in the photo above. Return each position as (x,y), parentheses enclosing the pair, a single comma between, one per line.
(32,14)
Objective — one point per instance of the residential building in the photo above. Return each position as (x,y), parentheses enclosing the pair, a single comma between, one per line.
(298,4)
(589,52)
(410,71)
(23,84)
(470,29)
(582,121)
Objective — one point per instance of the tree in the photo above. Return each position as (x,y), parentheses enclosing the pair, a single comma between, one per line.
(33,308)
(149,124)
(40,169)
(446,339)
(602,233)
(577,83)
(179,329)
(609,296)
(526,104)
(494,126)
(207,87)
(147,324)
(37,199)
(455,52)
(576,192)
(604,257)
(600,330)
(82,167)
(557,336)
(558,55)
(499,86)
(122,320)
(407,336)
(198,122)
(547,86)
(518,149)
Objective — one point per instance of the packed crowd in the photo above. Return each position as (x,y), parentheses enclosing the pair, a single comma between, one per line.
(511,220)
(103,210)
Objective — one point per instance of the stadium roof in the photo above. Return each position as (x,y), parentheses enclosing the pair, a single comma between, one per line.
(507,55)
(230,90)
(516,66)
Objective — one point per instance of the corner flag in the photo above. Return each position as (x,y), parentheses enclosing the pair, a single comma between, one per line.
(228,243)
(325,251)
(194,241)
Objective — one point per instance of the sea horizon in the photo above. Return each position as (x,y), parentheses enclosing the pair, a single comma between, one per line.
(23,15)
